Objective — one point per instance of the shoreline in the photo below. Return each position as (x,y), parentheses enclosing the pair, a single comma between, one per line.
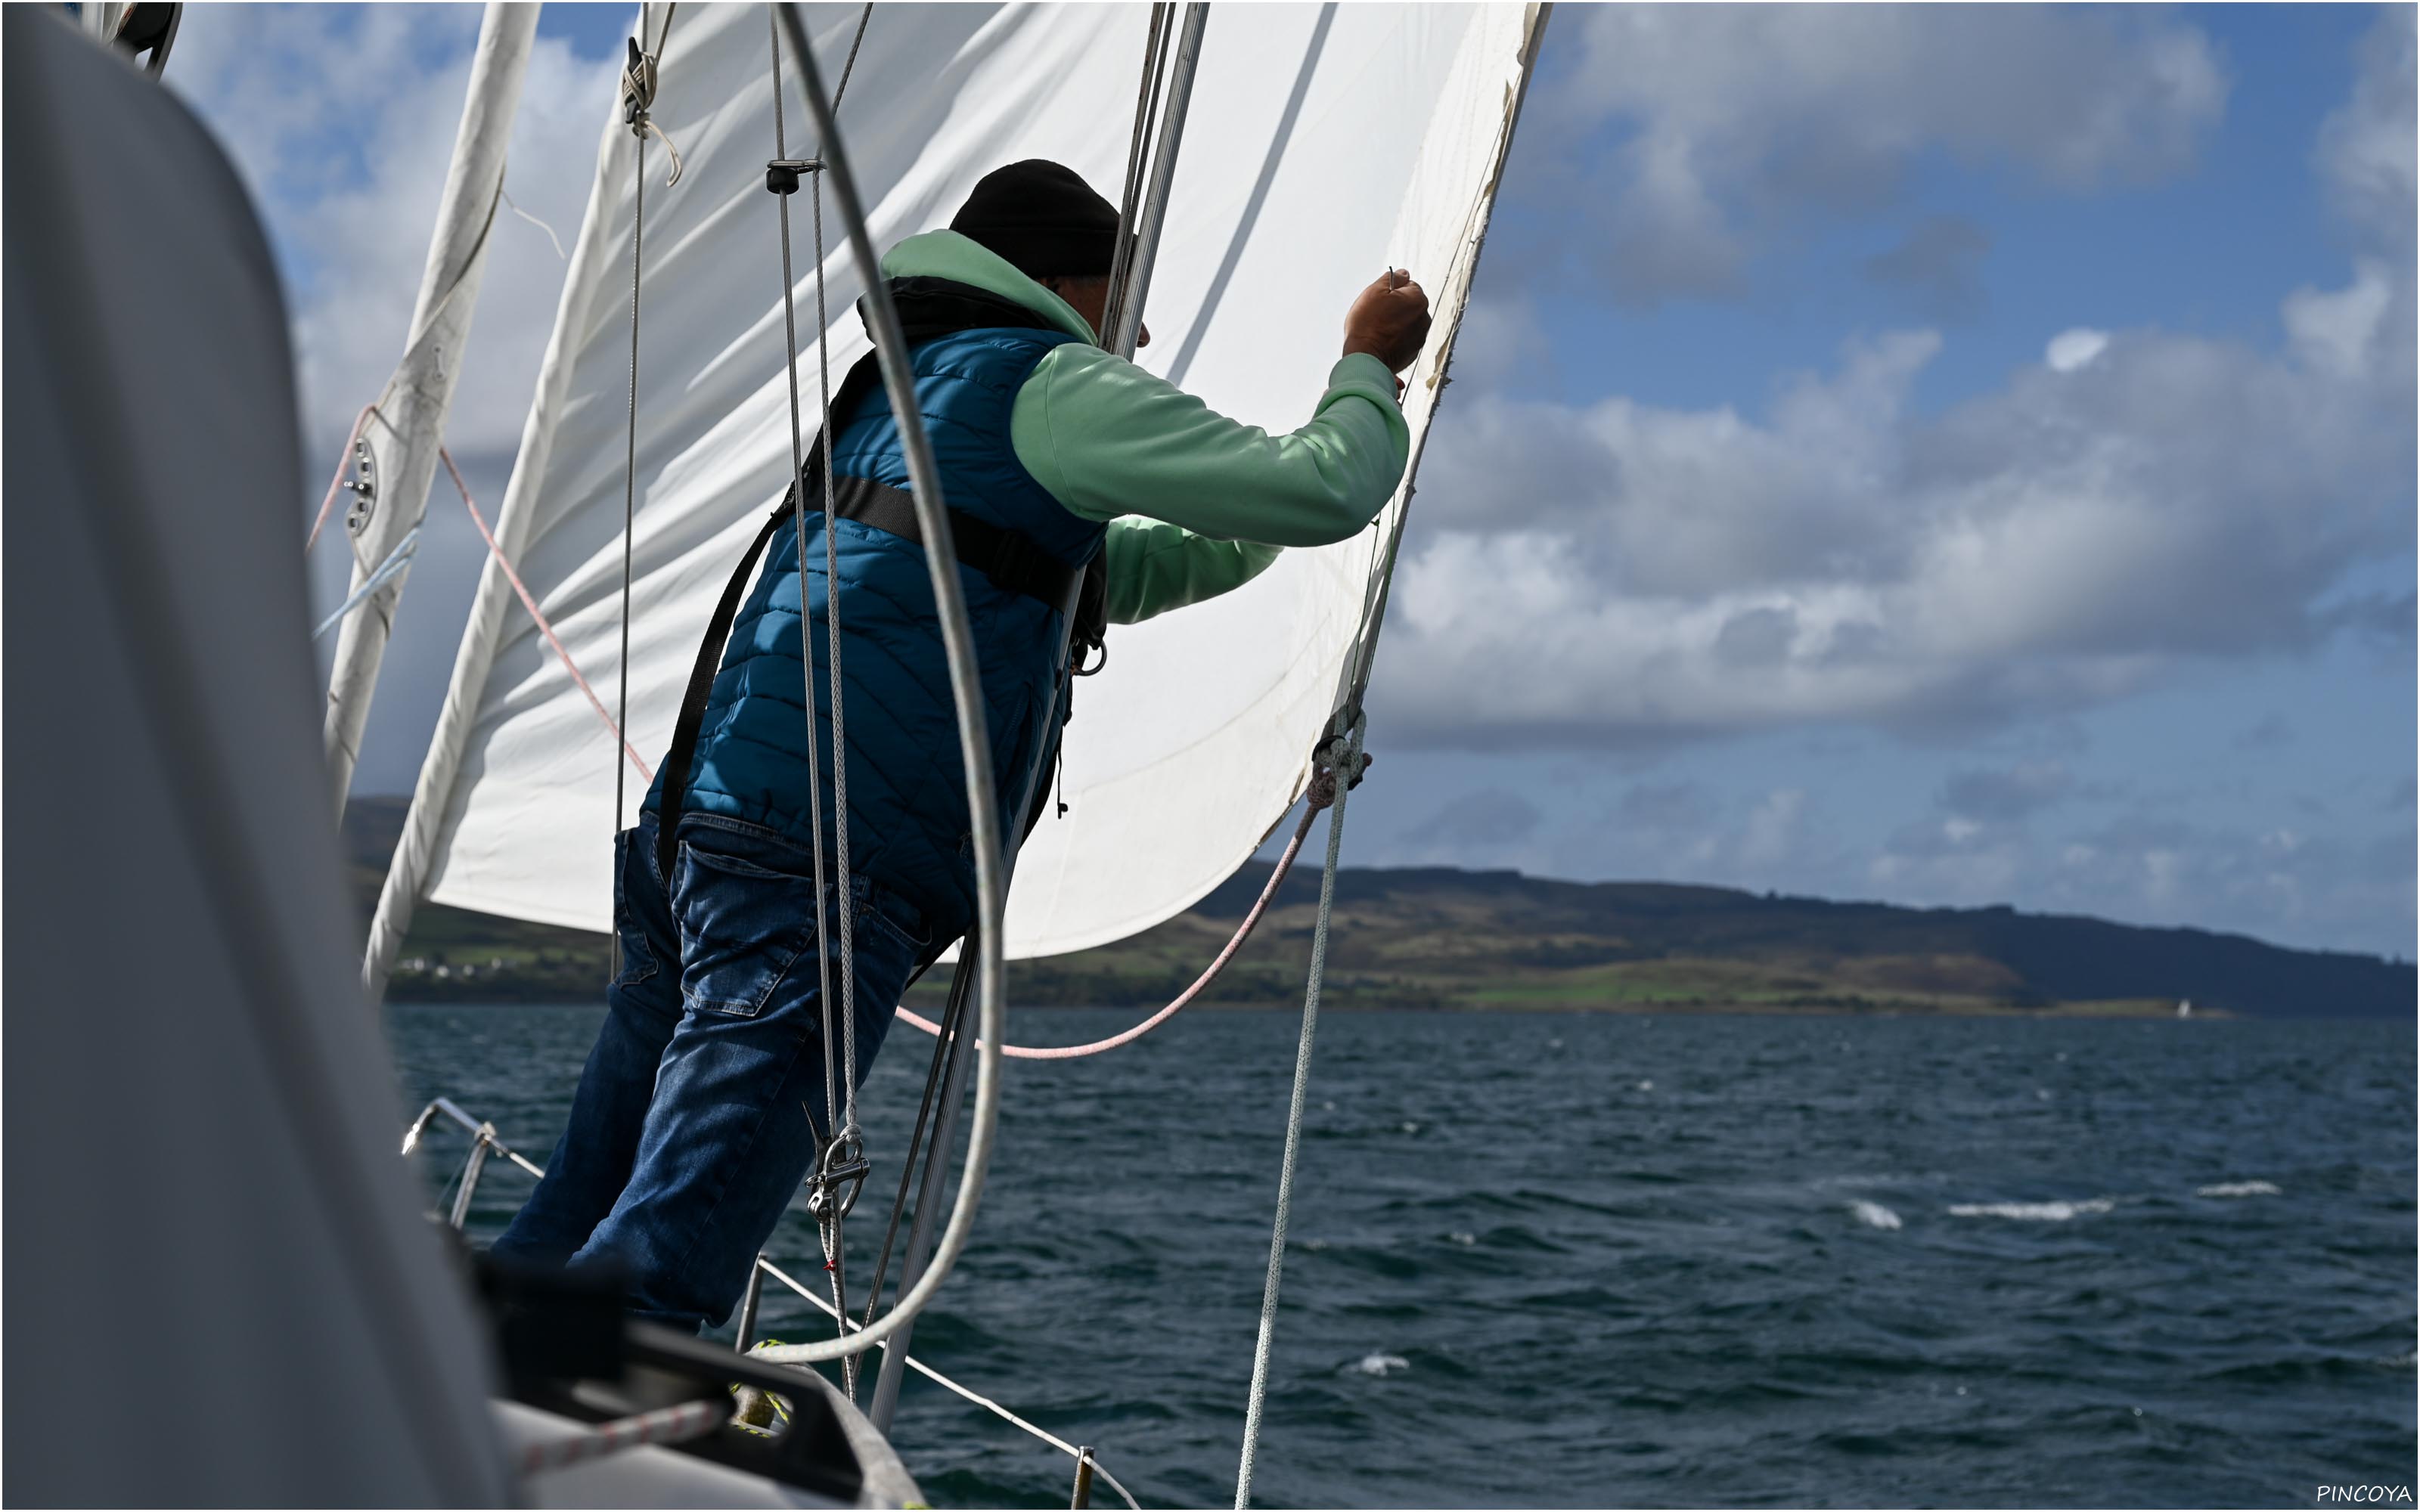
(2144,1011)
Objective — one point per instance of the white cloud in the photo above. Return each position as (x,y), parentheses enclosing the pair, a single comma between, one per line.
(1619,572)
(2273,884)
(341,120)
(1693,131)
(1500,339)
(2056,543)
(2072,350)
(2366,150)
(1771,835)
(2366,158)
(2339,331)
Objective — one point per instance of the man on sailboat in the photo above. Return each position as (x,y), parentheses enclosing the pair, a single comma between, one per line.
(705,1100)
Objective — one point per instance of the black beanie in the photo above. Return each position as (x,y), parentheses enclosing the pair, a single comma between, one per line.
(1041,219)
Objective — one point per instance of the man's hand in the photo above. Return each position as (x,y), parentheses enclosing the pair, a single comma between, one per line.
(1389,321)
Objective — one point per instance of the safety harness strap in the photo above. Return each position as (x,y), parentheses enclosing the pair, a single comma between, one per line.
(928,307)
(1009,558)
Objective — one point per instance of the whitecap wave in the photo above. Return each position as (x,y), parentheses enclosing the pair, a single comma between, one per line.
(1463,1237)
(2240,1189)
(2040,1212)
(1379,1365)
(1874,1215)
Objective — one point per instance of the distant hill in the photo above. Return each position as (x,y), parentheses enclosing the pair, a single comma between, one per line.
(1438,937)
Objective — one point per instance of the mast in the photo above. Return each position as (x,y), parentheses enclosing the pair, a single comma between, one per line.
(401,450)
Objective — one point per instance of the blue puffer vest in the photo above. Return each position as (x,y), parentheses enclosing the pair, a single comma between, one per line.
(908,825)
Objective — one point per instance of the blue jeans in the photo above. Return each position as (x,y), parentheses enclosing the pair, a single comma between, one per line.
(691,1130)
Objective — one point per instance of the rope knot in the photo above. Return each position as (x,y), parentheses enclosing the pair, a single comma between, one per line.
(638,79)
(638,88)
(1321,794)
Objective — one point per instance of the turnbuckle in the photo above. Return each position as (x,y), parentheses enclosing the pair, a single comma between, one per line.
(839,1179)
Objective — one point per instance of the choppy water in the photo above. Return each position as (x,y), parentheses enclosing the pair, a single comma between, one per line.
(1591,1260)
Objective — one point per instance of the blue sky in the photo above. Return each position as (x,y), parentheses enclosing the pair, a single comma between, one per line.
(1766,538)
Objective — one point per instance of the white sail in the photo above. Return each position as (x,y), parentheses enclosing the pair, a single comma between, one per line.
(1325,144)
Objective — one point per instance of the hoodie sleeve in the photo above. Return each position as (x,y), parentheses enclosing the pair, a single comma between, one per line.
(1155,566)
(1108,439)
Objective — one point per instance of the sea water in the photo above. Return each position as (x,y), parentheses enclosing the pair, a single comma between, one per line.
(1583,1259)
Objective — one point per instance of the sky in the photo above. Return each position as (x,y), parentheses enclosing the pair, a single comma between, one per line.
(1941,455)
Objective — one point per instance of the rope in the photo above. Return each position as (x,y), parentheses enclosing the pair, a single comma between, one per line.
(850,1134)
(1155,48)
(1373,620)
(639,91)
(845,1147)
(848,66)
(666,1425)
(840,726)
(851,1147)
(954,1017)
(806,658)
(1243,933)
(968,1394)
(1345,767)
(395,562)
(533,220)
(630,443)
(530,603)
(638,80)
(967,703)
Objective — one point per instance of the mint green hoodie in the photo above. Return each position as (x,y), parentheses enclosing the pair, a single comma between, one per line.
(1196,505)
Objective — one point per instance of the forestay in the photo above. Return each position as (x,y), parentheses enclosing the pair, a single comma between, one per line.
(1325,144)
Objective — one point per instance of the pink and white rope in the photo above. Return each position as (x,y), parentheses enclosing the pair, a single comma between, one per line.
(530,603)
(1243,933)
(666,1425)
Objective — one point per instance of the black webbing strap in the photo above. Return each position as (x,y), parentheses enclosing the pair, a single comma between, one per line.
(701,687)
(1009,558)
(862,378)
